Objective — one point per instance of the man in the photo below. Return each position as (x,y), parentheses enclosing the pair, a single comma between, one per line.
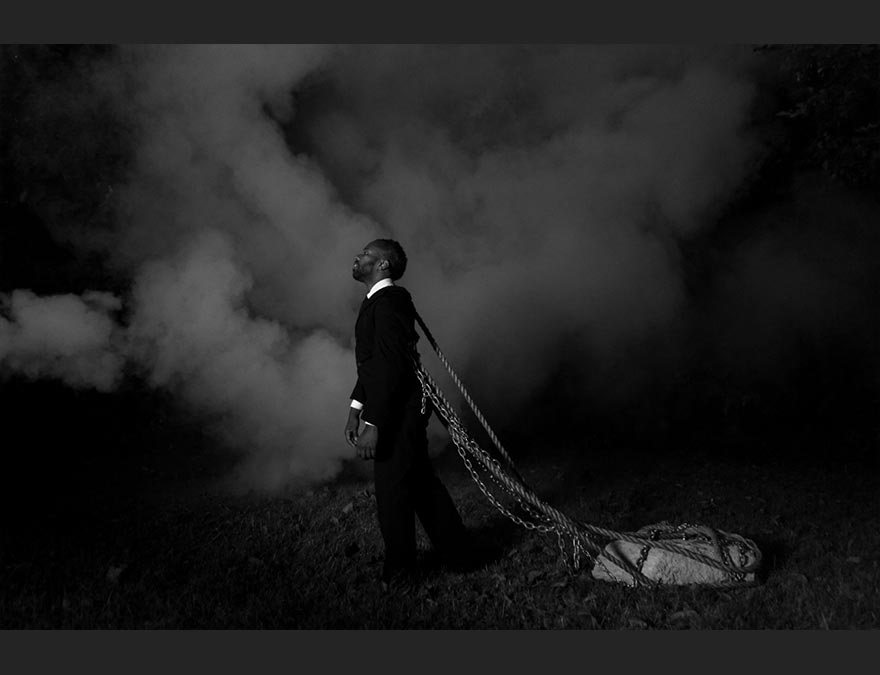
(387,399)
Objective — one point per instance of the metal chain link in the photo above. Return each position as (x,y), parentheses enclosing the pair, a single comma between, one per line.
(546,519)
(466,445)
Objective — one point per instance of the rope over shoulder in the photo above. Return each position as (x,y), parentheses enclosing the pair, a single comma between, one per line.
(651,556)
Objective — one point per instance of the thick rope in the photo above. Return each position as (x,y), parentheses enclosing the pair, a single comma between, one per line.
(555,521)
(467,397)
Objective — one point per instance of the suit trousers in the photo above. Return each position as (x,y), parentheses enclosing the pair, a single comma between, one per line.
(406,486)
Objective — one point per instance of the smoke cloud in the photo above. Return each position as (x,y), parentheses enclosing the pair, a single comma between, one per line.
(259,386)
(239,300)
(66,337)
(543,192)
(543,195)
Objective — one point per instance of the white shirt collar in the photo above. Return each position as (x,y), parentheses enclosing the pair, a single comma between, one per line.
(379,285)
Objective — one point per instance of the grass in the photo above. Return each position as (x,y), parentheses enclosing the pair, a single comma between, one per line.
(197,559)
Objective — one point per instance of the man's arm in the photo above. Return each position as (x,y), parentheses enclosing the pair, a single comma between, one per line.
(366,441)
(390,364)
(352,425)
(354,422)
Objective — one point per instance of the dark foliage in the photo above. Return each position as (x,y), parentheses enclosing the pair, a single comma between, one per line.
(827,98)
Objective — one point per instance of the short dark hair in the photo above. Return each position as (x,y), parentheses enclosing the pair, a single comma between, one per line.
(395,256)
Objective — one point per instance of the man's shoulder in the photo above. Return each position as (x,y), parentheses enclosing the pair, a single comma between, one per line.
(394,299)
(393,294)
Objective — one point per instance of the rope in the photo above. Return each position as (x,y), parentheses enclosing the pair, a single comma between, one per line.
(467,397)
(582,535)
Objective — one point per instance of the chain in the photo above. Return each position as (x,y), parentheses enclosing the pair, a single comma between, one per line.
(545,519)
(643,554)
(467,447)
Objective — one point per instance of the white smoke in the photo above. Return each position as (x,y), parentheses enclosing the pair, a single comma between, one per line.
(540,193)
(543,192)
(241,301)
(276,395)
(66,337)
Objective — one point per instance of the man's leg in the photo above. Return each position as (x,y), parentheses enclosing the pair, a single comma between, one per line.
(394,503)
(442,523)
(433,505)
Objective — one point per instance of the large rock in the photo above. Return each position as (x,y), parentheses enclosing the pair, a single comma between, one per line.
(668,567)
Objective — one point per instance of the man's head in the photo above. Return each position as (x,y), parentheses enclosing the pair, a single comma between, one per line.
(380,259)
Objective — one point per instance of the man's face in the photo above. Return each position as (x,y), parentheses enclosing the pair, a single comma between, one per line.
(365,262)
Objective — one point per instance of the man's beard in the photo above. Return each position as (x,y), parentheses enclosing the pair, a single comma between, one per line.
(358,273)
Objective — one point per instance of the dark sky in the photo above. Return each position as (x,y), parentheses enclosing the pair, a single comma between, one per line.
(593,232)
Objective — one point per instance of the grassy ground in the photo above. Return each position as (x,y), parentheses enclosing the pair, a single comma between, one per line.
(195,559)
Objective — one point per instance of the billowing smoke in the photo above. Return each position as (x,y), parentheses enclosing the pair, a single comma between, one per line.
(542,192)
(261,386)
(543,195)
(67,337)
(238,252)
(240,301)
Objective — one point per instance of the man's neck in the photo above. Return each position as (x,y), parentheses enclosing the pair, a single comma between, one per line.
(378,285)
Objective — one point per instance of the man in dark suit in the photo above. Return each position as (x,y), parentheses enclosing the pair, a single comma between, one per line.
(385,421)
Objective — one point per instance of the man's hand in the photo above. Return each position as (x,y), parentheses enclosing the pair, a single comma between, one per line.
(352,426)
(366,442)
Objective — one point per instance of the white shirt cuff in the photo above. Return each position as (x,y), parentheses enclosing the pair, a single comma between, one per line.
(357,405)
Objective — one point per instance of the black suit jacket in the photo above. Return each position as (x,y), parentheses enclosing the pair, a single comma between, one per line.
(385,349)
